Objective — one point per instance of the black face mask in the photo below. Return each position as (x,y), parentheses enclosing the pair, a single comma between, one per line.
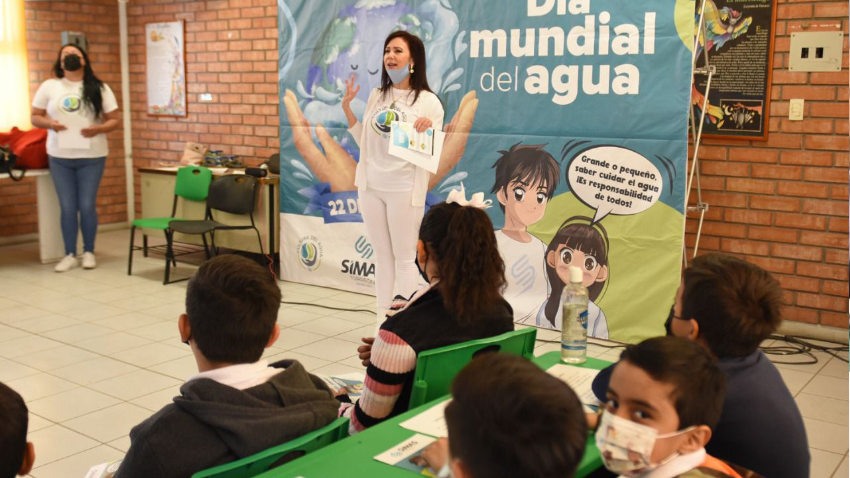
(669,322)
(421,269)
(72,63)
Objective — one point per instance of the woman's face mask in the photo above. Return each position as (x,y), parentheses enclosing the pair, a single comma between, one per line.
(626,446)
(71,62)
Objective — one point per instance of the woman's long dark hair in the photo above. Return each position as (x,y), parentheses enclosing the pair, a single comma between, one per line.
(471,270)
(91,83)
(418,79)
(582,236)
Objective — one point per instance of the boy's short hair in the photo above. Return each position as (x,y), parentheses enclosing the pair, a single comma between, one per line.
(699,384)
(232,304)
(509,418)
(736,304)
(14,419)
(529,162)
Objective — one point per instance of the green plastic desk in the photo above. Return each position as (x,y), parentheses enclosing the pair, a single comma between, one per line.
(353,457)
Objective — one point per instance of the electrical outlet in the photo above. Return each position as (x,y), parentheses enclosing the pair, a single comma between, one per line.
(795,110)
(816,51)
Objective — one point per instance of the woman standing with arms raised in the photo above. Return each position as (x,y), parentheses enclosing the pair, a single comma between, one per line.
(78,110)
(392,191)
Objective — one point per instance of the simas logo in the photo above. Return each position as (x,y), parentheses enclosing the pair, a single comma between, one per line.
(363,247)
(310,253)
(384,117)
(70,103)
(523,274)
(360,270)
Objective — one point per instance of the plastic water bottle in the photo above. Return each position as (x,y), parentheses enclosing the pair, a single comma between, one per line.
(574,325)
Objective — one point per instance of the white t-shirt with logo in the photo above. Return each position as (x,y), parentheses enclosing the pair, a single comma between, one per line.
(385,172)
(525,271)
(63,101)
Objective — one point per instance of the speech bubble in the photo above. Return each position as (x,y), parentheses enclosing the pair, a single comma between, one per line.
(614,180)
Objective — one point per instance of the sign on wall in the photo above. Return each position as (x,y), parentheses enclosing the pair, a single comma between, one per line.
(570,115)
(165,71)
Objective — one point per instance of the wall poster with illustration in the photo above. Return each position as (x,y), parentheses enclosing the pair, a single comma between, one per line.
(571,115)
(739,38)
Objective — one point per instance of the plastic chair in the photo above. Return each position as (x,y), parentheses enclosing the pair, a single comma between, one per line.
(265,460)
(233,194)
(192,184)
(436,368)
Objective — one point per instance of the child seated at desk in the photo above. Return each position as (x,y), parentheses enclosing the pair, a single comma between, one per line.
(663,402)
(509,418)
(458,256)
(16,454)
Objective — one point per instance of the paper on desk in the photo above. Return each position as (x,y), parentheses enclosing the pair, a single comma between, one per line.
(579,379)
(430,422)
(402,454)
(421,149)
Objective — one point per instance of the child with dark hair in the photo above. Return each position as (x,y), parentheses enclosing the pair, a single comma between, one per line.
(16,453)
(664,401)
(509,418)
(582,244)
(729,306)
(526,179)
(458,256)
(237,405)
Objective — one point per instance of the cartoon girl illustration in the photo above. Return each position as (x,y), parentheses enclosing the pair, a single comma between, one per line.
(582,244)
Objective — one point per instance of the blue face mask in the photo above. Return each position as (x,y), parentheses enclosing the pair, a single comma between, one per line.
(399,75)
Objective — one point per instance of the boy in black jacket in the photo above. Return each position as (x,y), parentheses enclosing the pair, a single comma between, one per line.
(237,405)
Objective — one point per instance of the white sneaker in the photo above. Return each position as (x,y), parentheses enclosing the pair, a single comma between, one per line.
(88,260)
(67,263)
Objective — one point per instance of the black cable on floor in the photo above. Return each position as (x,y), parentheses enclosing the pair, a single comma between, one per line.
(328,307)
(799,346)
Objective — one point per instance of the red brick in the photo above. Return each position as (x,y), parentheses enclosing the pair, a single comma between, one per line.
(834,320)
(808,93)
(747,217)
(831,9)
(804,284)
(777,172)
(819,301)
(798,314)
(829,175)
(827,207)
(806,158)
(720,229)
(781,77)
(790,141)
(832,110)
(824,239)
(809,125)
(801,189)
(753,155)
(773,234)
(829,78)
(800,221)
(750,185)
(838,143)
(772,264)
(838,225)
(738,246)
(833,256)
(797,252)
(842,160)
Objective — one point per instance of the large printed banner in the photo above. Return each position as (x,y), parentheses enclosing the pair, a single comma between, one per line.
(570,115)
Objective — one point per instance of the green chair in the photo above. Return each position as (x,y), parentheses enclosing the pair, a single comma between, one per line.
(436,368)
(192,184)
(265,460)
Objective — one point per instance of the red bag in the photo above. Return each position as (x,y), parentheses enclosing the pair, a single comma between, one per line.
(29,146)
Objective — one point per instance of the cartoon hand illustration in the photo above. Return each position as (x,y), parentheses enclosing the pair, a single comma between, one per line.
(335,165)
(457,132)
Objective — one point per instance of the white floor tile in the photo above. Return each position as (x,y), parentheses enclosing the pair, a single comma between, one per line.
(109,423)
(823,408)
(337,369)
(46,323)
(100,311)
(78,333)
(158,332)
(170,310)
(11,370)
(359,317)
(155,401)
(331,349)
(121,444)
(293,338)
(843,471)
(354,362)
(546,347)
(24,312)
(127,321)
(11,333)
(152,354)
(794,379)
(827,436)
(828,387)
(823,463)
(136,304)
(327,326)
(112,294)
(57,442)
(27,345)
(180,369)
(823,358)
(71,404)
(134,384)
(91,371)
(113,342)
(51,359)
(76,465)
(289,317)
(37,423)
(67,304)
(836,368)
(356,336)
(309,363)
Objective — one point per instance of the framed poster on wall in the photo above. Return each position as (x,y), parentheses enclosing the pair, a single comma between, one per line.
(165,68)
(739,38)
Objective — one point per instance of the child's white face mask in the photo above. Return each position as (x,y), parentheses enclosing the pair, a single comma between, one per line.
(626,446)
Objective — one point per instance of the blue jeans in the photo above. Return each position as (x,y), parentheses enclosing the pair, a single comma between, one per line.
(76,182)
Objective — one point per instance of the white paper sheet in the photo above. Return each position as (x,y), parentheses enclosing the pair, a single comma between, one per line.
(421,149)
(579,379)
(72,138)
(430,422)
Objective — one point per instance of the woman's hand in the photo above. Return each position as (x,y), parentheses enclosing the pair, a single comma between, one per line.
(421,124)
(90,132)
(365,350)
(57,126)
(351,91)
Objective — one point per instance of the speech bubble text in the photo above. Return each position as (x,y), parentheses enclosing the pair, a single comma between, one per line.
(614,180)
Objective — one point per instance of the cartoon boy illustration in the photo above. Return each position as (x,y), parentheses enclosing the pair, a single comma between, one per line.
(582,244)
(526,178)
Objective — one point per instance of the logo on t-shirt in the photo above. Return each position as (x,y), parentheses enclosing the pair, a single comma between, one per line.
(70,103)
(384,117)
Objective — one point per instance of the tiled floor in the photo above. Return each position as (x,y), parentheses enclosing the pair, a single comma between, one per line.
(95,352)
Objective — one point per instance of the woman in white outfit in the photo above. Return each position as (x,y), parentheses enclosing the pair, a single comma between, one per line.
(392,191)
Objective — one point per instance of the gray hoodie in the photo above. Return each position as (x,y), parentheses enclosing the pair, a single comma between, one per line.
(211,424)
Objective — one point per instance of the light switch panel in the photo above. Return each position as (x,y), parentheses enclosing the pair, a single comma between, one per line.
(795,110)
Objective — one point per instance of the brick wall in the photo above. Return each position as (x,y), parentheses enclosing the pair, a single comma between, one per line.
(783,203)
(231,53)
(98,19)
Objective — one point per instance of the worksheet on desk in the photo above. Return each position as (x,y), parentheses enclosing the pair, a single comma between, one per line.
(430,422)
(579,379)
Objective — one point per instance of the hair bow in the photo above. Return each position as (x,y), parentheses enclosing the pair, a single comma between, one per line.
(458,196)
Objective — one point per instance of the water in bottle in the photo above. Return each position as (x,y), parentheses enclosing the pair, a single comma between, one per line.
(574,324)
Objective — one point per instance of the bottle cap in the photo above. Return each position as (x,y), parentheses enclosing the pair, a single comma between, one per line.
(575,275)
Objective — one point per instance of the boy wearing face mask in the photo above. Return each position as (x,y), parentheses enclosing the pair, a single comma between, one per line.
(663,402)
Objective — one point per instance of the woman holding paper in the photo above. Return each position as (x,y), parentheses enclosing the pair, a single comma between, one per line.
(78,110)
(391,190)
